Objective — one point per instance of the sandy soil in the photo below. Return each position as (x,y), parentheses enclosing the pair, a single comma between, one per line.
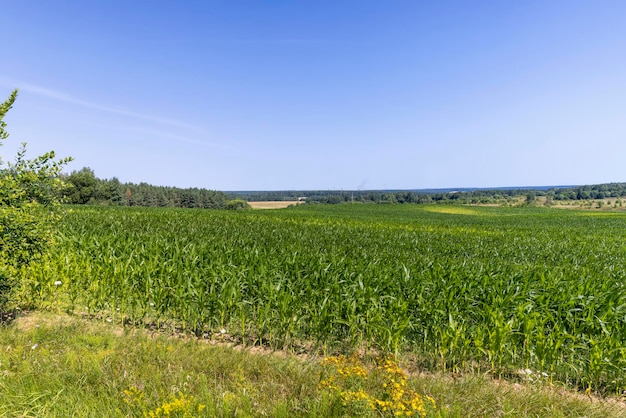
(273,205)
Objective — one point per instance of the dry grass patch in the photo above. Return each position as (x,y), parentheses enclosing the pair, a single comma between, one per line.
(274,205)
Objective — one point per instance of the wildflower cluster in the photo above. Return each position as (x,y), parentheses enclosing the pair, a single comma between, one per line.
(179,406)
(400,399)
(383,389)
(133,396)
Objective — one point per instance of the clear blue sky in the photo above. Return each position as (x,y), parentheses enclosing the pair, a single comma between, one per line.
(274,95)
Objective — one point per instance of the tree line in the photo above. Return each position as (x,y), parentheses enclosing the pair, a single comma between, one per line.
(83,187)
(464,196)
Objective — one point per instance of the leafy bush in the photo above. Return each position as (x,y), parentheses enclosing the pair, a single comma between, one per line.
(237,204)
(28,206)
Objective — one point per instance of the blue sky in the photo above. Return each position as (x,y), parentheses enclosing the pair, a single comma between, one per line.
(275,95)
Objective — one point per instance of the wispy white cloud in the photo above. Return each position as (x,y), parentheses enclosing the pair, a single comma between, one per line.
(66,98)
(161,134)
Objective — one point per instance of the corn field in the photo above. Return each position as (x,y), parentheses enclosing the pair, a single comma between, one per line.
(463,288)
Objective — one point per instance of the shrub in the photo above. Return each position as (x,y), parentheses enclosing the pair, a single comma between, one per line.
(28,207)
(237,204)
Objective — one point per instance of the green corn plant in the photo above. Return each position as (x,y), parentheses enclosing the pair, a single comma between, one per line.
(489,289)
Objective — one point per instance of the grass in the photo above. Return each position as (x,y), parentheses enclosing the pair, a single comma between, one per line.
(64,366)
(58,365)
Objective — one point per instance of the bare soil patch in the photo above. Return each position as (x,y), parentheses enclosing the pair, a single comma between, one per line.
(273,205)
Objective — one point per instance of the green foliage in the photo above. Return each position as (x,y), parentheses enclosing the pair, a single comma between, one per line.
(237,204)
(27,207)
(83,187)
(493,289)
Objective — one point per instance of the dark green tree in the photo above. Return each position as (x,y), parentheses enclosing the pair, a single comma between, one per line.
(81,186)
(110,192)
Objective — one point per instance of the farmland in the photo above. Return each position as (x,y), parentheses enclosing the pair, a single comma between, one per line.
(280,204)
(459,288)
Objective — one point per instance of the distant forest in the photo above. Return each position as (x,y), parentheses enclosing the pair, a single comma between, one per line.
(467,196)
(83,187)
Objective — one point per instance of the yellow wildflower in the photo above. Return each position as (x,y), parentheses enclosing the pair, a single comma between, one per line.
(347,377)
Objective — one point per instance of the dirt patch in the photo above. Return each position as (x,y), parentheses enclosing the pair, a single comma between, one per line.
(29,320)
(273,205)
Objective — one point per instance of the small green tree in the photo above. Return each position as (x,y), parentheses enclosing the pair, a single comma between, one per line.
(28,207)
(237,204)
(81,187)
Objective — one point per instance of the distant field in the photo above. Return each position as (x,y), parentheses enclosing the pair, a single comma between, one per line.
(494,289)
(273,204)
